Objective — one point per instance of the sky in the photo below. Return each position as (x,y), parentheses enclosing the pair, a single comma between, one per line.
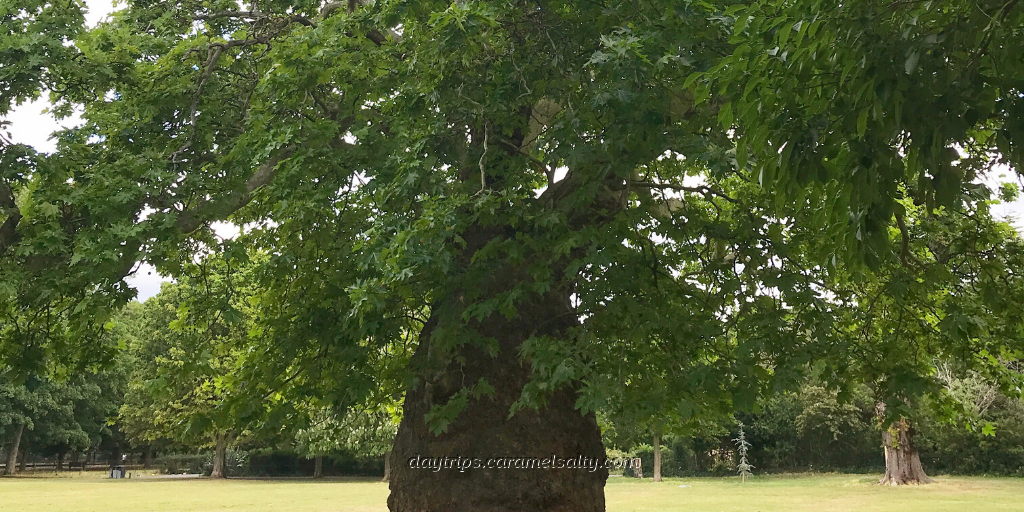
(31,125)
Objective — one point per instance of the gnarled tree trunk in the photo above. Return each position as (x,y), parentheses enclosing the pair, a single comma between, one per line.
(902,462)
(657,457)
(12,451)
(484,429)
(219,455)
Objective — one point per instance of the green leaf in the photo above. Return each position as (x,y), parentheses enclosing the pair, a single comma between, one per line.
(862,122)
(725,117)
(911,63)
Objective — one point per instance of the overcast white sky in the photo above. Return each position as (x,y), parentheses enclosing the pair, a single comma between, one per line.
(30,125)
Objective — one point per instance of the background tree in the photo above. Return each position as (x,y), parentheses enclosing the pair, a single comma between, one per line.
(18,407)
(184,365)
(60,429)
(742,446)
(54,417)
(365,432)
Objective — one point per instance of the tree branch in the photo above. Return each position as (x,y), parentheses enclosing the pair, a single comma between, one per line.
(250,15)
(193,218)
(906,257)
(483,173)
(700,189)
(9,229)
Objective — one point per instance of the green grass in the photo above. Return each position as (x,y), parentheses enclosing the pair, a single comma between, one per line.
(829,493)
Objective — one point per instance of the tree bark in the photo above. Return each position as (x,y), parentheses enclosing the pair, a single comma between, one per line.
(902,462)
(12,451)
(484,430)
(657,457)
(148,460)
(219,455)
(387,467)
(318,466)
(60,461)
(115,457)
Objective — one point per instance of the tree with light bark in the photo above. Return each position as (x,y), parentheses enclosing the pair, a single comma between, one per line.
(364,432)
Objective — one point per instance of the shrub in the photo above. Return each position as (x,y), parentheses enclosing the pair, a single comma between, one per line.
(182,463)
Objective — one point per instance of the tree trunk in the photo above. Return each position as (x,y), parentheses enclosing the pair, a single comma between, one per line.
(148,460)
(60,461)
(318,466)
(116,457)
(387,467)
(23,456)
(902,462)
(219,455)
(12,451)
(484,429)
(657,457)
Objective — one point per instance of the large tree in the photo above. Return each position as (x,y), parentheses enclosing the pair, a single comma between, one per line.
(549,193)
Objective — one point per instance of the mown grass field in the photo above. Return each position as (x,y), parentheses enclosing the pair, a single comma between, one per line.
(839,493)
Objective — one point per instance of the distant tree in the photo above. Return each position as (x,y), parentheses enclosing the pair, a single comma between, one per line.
(55,417)
(18,406)
(184,360)
(742,446)
(364,432)
(59,429)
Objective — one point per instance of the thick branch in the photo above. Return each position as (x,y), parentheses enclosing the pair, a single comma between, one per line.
(214,52)
(211,209)
(250,15)
(540,116)
(700,189)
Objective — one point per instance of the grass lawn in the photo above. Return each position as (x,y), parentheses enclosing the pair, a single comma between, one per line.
(93,493)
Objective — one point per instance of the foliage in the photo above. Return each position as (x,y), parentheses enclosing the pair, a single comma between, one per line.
(60,416)
(873,102)
(365,432)
(176,464)
(813,429)
(184,361)
(292,463)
